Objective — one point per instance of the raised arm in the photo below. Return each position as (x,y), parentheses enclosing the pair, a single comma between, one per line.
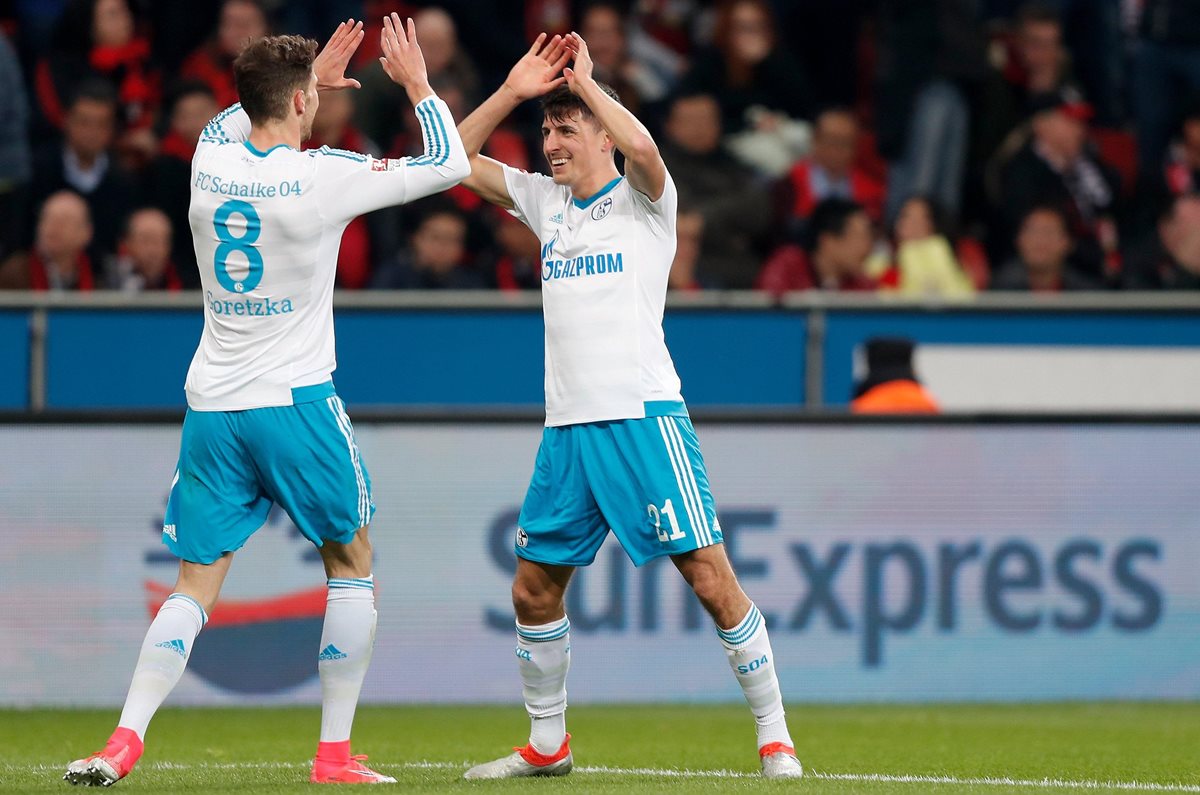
(353,184)
(535,74)
(644,166)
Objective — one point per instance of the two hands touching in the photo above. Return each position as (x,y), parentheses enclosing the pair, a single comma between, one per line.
(542,69)
(402,59)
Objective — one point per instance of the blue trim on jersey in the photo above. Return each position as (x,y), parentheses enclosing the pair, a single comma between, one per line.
(583,205)
(439,143)
(254,150)
(665,408)
(325,150)
(427,130)
(213,132)
(307,394)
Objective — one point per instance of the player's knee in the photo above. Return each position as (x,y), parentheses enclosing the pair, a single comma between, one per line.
(534,605)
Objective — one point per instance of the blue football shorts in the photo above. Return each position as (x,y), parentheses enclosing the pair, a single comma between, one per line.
(643,478)
(234,465)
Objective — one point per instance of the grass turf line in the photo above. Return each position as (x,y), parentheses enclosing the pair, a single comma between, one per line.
(266,750)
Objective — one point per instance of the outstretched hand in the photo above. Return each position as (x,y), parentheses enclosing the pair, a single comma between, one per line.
(582,69)
(330,65)
(402,58)
(537,71)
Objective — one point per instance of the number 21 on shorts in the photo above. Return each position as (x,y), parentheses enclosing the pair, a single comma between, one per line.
(667,530)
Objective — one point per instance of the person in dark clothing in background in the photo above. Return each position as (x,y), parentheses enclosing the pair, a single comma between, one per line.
(736,211)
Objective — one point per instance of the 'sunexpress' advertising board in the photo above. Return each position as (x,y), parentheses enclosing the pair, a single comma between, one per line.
(893,563)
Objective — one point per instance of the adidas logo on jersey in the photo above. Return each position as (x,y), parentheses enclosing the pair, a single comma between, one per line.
(174,645)
(556,218)
(331,652)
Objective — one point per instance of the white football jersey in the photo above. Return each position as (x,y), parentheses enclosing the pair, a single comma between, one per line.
(605,263)
(267,226)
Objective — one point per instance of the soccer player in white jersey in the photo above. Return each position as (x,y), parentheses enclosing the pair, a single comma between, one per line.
(618,450)
(264,424)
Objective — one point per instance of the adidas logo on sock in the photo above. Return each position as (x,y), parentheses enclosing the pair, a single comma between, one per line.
(331,652)
(174,645)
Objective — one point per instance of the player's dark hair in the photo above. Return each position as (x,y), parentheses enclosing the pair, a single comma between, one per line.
(270,71)
(562,103)
(94,89)
(830,217)
(1049,208)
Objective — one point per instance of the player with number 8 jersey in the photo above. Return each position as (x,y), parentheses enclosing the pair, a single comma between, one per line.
(264,424)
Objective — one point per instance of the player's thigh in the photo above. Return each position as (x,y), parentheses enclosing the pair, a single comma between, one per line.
(216,501)
(309,462)
(649,478)
(560,523)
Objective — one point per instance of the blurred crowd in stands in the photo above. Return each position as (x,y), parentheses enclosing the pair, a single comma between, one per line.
(925,147)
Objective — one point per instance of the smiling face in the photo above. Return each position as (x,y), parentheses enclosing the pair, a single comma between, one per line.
(575,147)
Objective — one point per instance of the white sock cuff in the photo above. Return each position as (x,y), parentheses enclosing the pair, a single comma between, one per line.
(745,632)
(185,603)
(544,632)
(352,583)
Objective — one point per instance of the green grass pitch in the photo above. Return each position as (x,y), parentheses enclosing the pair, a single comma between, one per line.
(646,748)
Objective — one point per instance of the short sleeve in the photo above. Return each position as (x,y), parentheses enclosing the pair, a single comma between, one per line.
(529,194)
(662,214)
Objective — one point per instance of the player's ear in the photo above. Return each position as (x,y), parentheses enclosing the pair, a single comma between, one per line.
(299,101)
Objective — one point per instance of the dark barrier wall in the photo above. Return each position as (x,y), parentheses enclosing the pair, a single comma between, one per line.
(739,351)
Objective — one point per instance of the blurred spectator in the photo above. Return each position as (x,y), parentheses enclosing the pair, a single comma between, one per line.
(83,163)
(1170,260)
(332,127)
(602,26)
(58,259)
(143,261)
(839,239)
(1055,167)
(241,22)
(1035,64)
(1166,68)
(316,18)
(98,40)
(1182,172)
(15,170)
(167,179)
(444,57)
(931,53)
(759,86)
(689,242)
(736,211)
(825,36)
(518,263)
(435,257)
(830,171)
(382,111)
(925,263)
(1042,264)
(890,385)
(653,66)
